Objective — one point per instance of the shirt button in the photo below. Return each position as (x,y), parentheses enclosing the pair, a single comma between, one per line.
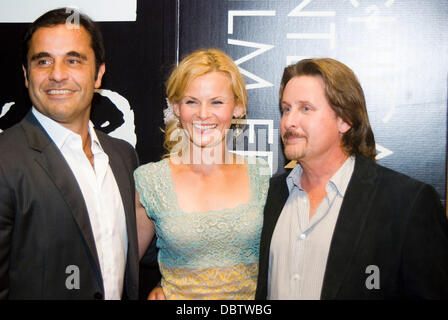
(296,277)
(302,236)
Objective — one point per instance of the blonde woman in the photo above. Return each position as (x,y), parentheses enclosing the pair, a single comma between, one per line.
(204,203)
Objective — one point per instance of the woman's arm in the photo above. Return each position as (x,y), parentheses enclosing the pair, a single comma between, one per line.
(145,227)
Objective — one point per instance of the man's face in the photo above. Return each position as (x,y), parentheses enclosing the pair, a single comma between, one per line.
(61,74)
(309,127)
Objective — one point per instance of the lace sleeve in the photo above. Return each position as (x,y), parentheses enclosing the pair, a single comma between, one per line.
(260,174)
(143,185)
(264,174)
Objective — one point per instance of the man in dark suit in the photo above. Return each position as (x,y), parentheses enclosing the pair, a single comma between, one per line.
(339,226)
(67,216)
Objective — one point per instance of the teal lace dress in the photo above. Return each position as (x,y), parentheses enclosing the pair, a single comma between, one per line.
(204,255)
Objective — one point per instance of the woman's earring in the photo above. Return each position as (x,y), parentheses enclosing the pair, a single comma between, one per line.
(237,129)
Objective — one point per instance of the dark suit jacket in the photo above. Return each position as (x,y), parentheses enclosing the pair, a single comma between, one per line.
(44,223)
(386,219)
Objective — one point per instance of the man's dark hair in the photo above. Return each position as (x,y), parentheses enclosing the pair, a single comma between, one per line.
(62,16)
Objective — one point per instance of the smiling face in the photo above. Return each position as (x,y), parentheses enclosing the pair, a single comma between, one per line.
(207,107)
(61,74)
(309,127)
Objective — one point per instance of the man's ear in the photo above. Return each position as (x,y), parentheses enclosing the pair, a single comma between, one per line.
(25,75)
(99,76)
(343,126)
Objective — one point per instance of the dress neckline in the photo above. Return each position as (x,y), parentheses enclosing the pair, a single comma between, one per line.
(175,201)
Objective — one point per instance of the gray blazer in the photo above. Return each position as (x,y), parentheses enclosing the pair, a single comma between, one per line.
(44,223)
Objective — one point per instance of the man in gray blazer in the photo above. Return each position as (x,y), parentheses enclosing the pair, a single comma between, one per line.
(67,217)
(340,226)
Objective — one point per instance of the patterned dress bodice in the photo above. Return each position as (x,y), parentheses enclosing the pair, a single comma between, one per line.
(204,255)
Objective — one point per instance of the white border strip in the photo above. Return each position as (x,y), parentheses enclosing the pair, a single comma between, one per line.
(26,11)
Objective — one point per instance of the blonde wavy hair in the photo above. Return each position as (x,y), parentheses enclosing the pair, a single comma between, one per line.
(192,66)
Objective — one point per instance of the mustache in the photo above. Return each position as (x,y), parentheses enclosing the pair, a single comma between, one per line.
(289,134)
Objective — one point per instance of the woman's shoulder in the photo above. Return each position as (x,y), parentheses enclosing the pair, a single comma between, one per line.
(151,168)
(151,175)
(258,166)
(152,184)
(259,173)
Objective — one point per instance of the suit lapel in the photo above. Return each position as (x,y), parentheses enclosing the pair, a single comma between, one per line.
(279,194)
(54,164)
(349,226)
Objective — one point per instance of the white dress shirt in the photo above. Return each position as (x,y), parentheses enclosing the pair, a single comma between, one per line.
(102,198)
(300,246)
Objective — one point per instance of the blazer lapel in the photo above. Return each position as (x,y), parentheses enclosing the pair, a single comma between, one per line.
(277,195)
(54,164)
(349,226)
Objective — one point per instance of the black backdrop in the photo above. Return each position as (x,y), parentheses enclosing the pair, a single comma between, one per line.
(398,49)
(138,57)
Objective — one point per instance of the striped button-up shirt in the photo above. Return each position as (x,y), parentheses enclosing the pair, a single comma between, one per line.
(300,245)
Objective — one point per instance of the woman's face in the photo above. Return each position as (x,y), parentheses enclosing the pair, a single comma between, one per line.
(207,108)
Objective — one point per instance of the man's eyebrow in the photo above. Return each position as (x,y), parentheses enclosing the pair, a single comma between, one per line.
(297,102)
(40,55)
(77,55)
